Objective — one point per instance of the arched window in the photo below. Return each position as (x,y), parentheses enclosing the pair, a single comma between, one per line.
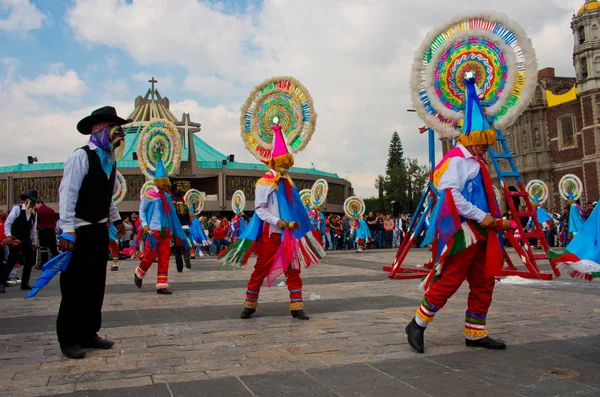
(581,34)
(594,31)
(525,140)
(583,68)
(597,66)
(566,128)
(537,137)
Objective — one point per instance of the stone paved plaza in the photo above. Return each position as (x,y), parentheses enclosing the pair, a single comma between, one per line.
(193,343)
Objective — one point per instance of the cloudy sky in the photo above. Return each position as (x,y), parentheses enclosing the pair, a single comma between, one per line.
(61,59)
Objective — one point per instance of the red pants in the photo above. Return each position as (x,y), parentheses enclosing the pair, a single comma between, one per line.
(266,247)
(114,249)
(317,234)
(468,264)
(163,251)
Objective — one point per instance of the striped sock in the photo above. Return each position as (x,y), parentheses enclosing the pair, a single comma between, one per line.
(425,313)
(475,326)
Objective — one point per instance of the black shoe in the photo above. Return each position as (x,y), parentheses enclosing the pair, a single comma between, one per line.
(164,291)
(486,342)
(2,289)
(26,287)
(415,336)
(114,268)
(299,314)
(73,351)
(137,281)
(247,313)
(98,343)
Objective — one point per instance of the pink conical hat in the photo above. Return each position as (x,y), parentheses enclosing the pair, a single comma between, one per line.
(279,146)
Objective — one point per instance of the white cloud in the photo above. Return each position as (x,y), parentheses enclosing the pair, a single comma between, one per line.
(22,16)
(116,88)
(56,82)
(33,125)
(163,82)
(111,61)
(211,86)
(353,55)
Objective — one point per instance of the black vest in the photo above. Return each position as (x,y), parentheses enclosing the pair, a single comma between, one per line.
(183,214)
(21,227)
(95,194)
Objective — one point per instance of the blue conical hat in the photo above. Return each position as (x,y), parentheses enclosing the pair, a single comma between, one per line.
(475,129)
(161,172)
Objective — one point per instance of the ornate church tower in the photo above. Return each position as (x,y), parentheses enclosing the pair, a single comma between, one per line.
(586,50)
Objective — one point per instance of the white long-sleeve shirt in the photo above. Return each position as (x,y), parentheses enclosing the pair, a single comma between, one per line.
(12,217)
(76,168)
(460,170)
(266,206)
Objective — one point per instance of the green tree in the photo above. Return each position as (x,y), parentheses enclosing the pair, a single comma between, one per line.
(380,186)
(395,154)
(371,204)
(418,176)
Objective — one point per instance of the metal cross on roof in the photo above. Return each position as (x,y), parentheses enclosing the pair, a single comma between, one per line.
(152,89)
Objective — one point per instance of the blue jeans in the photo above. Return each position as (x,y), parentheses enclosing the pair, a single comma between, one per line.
(381,239)
(218,244)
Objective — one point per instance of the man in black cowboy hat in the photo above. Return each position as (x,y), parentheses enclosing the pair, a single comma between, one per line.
(21,238)
(183,214)
(85,199)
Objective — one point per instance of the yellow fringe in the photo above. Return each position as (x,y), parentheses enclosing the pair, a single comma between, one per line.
(475,333)
(267,182)
(250,305)
(166,180)
(437,174)
(485,137)
(296,306)
(423,317)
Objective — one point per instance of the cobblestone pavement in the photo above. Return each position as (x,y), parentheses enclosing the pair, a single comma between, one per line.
(193,343)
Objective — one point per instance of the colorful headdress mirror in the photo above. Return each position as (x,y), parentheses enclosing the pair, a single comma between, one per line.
(194,199)
(120,189)
(238,202)
(354,207)
(486,46)
(318,193)
(570,187)
(283,99)
(538,191)
(159,149)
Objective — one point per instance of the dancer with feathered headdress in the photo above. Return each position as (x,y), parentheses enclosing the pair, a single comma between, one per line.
(159,142)
(477,60)
(277,119)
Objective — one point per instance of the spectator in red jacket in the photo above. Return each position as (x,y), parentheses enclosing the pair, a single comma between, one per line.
(46,230)
(219,240)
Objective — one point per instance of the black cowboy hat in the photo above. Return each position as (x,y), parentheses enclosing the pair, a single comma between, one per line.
(31,195)
(106,114)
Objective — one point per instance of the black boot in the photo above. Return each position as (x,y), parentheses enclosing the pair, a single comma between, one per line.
(415,336)
(247,313)
(299,314)
(2,289)
(73,351)
(98,343)
(137,281)
(486,342)
(26,287)
(164,291)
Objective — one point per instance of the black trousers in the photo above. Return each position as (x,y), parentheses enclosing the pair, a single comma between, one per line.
(82,287)
(185,253)
(24,254)
(47,239)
